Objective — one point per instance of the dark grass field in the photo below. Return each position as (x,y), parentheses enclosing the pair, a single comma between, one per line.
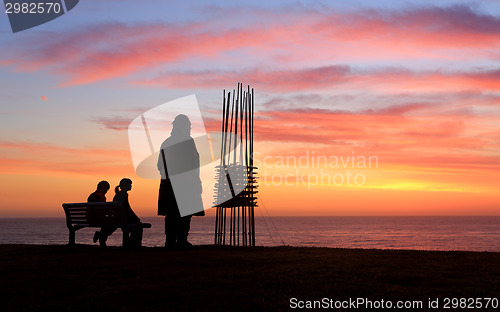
(209,278)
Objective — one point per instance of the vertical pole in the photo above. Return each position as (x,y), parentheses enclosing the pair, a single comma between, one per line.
(251,157)
(220,217)
(236,239)
(217,213)
(224,230)
(231,131)
(231,226)
(233,209)
(216,238)
(236,124)
(247,164)
(241,128)
(224,141)
(244,173)
(228,159)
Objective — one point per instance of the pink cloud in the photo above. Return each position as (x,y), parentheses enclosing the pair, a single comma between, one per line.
(388,80)
(116,50)
(281,80)
(115,123)
(424,145)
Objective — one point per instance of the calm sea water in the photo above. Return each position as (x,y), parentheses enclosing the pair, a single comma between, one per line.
(424,233)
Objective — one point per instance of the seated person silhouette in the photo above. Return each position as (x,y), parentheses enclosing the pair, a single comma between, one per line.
(179,157)
(100,196)
(121,197)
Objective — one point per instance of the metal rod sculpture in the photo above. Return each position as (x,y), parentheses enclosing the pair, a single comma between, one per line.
(236,171)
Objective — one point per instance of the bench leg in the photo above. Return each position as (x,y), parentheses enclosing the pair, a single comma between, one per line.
(125,242)
(71,237)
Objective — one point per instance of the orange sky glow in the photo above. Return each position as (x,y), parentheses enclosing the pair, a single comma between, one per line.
(358,112)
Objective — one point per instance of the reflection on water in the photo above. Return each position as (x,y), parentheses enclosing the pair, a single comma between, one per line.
(430,233)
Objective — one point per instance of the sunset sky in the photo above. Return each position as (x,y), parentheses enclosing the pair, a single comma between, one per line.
(412,84)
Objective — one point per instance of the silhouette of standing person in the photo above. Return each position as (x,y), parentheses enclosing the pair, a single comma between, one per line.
(100,196)
(179,164)
(121,197)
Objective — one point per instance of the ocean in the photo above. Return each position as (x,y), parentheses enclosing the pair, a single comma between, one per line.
(419,233)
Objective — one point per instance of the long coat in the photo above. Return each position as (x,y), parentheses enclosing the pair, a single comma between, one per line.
(180,183)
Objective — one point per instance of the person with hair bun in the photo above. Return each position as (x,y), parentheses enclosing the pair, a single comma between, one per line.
(121,197)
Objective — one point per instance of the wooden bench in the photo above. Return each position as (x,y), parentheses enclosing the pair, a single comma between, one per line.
(100,214)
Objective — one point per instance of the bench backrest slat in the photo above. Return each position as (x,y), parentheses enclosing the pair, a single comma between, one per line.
(94,214)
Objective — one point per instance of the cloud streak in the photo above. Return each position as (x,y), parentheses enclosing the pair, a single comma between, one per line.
(35,158)
(115,50)
(389,80)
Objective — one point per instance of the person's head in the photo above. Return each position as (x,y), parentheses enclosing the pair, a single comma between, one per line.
(125,185)
(181,125)
(103,187)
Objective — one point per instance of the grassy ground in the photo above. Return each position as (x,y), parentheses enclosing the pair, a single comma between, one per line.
(87,278)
